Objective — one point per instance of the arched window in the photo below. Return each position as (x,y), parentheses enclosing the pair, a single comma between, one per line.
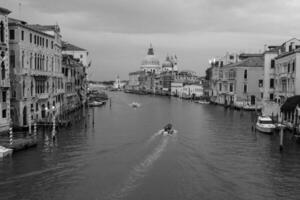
(3,70)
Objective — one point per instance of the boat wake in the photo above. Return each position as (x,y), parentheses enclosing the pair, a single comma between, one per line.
(140,170)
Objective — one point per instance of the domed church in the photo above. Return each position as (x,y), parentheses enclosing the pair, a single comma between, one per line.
(150,63)
(170,64)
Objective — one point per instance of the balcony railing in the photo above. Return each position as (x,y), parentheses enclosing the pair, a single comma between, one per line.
(42,96)
(5,83)
(40,73)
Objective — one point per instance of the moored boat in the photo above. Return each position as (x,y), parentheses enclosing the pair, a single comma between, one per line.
(265,125)
(202,102)
(5,152)
(96,103)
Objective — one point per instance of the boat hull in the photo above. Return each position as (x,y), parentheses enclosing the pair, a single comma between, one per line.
(266,130)
(5,152)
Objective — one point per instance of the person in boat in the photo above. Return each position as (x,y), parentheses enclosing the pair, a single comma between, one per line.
(168,128)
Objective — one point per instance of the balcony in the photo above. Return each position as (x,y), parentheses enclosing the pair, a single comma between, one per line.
(42,96)
(5,83)
(40,73)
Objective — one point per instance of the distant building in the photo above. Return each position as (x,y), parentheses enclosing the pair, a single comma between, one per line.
(135,80)
(150,63)
(4,65)
(118,84)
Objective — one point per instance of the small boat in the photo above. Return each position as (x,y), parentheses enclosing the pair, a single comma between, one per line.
(168,129)
(265,125)
(135,105)
(96,103)
(5,152)
(202,102)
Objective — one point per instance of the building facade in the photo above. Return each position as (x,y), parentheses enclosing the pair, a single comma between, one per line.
(4,64)
(35,72)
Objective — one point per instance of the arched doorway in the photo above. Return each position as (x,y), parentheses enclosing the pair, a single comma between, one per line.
(25,116)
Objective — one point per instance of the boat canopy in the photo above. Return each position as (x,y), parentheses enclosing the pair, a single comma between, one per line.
(290,104)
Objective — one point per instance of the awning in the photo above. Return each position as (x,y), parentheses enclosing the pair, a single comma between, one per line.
(290,104)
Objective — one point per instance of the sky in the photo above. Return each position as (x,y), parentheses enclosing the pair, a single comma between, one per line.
(117,33)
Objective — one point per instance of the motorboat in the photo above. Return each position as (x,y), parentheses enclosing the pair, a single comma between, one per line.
(96,103)
(5,152)
(265,125)
(168,129)
(135,105)
(202,102)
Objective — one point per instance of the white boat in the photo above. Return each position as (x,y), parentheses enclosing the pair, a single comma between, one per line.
(5,152)
(96,103)
(265,125)
(135,105)
(202,102)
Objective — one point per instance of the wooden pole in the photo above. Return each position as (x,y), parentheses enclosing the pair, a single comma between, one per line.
(281,139)
(93,117)
(53,128)
(11,136)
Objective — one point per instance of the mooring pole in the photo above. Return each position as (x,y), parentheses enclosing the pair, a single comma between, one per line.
(34,130)
(93,117)
(11,136)
(281,139)
(53,128)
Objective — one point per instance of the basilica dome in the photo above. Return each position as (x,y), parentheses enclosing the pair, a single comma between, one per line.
(150,63)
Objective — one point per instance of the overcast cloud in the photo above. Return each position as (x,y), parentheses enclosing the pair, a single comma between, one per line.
(118,32)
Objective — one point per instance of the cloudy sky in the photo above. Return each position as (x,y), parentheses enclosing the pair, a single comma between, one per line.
(117,33)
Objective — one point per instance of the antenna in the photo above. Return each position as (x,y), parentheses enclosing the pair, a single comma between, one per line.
(20,7)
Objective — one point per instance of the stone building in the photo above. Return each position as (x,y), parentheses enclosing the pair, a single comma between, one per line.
(82,57)
(4,71)
(35,72)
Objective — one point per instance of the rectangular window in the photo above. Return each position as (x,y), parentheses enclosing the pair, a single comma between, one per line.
(22,35)
(46,43)
(231,87)
(4,96)
(245,74)
(12,59)
(271,83)
(260,83)
(220,86)
(35,39)
(271,96)
(272,64)
(4,113)
(245,88)
(51,44)
(12,34)
(293,66)
(289,67)
(30,37)
(261,95)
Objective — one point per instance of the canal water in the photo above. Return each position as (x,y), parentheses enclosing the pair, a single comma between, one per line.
(213,155)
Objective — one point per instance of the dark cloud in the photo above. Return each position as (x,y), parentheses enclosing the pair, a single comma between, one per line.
(118,32)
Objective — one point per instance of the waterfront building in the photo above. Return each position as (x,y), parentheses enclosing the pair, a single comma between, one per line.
(4,64)
(186,76)
(118,85)
(150,62)
(82,56)
(191,91)
(176,88)
(287,71)
(135,80)
(35,72)
(73,80)
(239,83)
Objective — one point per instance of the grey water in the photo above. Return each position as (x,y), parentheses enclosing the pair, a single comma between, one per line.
(213,155)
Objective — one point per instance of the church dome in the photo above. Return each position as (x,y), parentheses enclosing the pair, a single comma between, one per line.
(167,63)
(150,59)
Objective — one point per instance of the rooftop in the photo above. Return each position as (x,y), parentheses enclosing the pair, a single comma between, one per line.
(249,62)
(4,10)
(70,47)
